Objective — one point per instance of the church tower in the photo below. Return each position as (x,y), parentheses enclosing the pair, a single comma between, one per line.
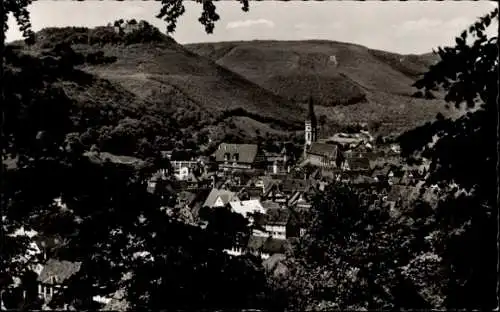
(311,127)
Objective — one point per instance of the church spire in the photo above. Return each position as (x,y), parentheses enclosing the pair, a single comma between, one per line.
(311,127)
(311,116)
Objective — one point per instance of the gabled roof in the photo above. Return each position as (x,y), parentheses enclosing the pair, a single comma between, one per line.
(246,152)
(57,272)
(358,163)
(246,207)
(269,183)
(251,191)
(225,196)
(323,149)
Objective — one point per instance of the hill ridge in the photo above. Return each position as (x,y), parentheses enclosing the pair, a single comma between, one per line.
(209,87)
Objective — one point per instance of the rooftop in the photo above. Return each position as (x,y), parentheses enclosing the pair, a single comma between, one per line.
(246,207)
(246,152)
(224,195)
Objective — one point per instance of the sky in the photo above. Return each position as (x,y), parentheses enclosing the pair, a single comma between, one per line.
(402,27)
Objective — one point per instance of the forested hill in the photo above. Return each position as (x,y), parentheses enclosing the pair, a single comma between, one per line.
(238,90)
(350,83)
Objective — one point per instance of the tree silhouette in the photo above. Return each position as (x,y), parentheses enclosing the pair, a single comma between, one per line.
(465,154)
(112,224)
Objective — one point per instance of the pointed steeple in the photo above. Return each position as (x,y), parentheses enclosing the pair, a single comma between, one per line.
(311,116)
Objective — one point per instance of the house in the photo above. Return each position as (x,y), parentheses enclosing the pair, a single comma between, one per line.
(275,221)
(54,277)
(324,155)
(247,207)
(279,162)
(275,194)
(239,156)
(183,169)
(219,198)
(357,163)
(270,187)
(192,182)
(300,199)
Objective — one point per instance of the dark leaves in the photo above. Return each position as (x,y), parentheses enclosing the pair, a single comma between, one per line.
(172,10)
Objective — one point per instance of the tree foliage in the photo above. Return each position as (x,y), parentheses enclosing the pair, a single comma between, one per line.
(111,223)
(437,251)
(356,255)
(463,153)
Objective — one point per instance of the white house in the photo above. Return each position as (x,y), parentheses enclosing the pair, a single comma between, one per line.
(182,169)
(219,198)
(247,207)
(277,230)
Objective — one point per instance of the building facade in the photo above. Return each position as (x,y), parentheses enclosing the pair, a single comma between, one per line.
(239,157)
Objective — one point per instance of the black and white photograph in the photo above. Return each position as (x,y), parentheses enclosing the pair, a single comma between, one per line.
(239,155)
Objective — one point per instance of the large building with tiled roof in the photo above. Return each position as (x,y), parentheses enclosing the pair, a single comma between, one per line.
(239,156)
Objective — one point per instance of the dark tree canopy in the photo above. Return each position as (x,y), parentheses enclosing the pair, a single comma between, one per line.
(464,155)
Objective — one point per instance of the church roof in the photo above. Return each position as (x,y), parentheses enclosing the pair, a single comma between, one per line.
(328,150)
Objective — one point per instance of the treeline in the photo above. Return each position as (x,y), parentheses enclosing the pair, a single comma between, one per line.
(121,32)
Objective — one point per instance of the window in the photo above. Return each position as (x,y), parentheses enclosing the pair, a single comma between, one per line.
(226,156)
(236,157)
